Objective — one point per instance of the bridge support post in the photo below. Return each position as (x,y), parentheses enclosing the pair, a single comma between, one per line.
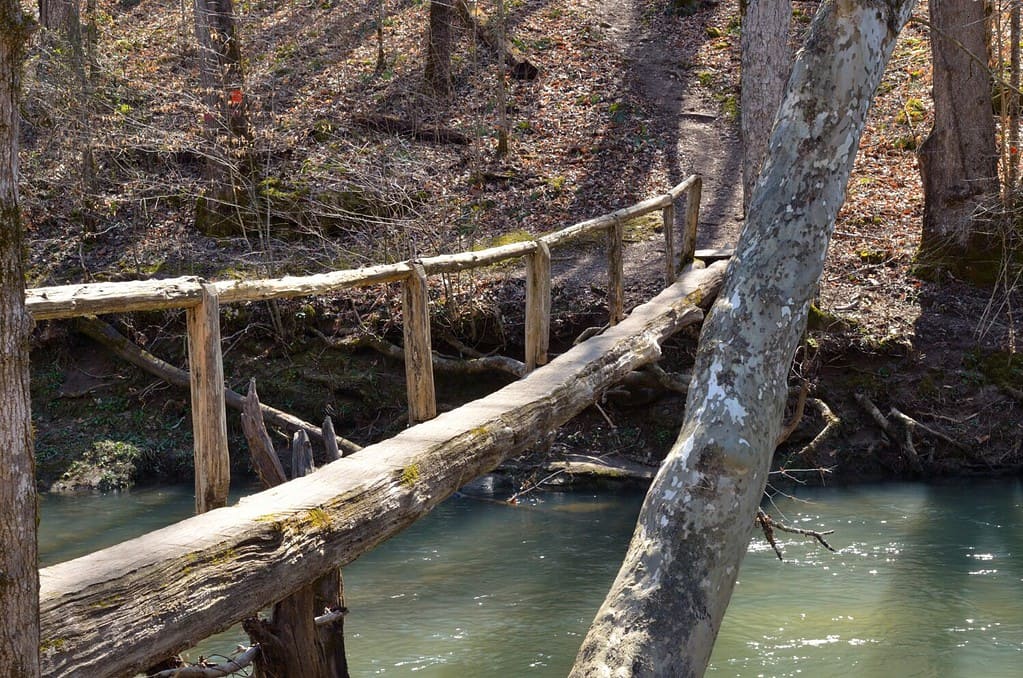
(668,219)
(538,306)
(415,307)
(209,417)
(615,271)
(692,220)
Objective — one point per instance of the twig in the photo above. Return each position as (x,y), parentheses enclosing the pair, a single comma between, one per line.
(769,525)
(205,670)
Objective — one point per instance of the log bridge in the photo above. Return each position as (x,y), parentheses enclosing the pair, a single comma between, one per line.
(119,610)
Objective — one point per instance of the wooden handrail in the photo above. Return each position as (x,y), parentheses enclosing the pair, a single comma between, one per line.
(69,301)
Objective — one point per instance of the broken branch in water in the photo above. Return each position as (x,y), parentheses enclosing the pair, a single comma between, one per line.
(769,525)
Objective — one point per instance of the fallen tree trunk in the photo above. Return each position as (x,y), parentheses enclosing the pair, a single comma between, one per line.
(96,329)
(413,128)
(110,612)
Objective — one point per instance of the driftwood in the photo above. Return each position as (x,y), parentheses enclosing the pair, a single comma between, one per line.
(413,128)
(484,30)
(297,643)
(261,448)
(112,339)
(109,612)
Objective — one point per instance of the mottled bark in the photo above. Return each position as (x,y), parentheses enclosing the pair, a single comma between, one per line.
(19,576)
(54,14)
(766,61)
(665,607)
(958,159)
(438,46)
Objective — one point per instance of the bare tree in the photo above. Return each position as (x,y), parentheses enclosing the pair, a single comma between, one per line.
(664,609)
(19,574)
(225,206)
(958,159)
(438,46)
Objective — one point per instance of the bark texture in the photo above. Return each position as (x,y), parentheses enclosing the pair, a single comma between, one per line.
(665,607)
(958,159)
(223,210)
(19,576)
(765,70)
(438,46)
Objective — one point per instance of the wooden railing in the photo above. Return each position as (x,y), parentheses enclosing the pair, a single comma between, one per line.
(202,300)
(111,612)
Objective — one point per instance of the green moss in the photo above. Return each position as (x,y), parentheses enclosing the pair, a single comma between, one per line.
(320,519)
(642,227)
(410,475)
(998,367)
(48,645)
(508,238)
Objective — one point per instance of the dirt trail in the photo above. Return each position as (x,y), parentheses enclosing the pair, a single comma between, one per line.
(698,136)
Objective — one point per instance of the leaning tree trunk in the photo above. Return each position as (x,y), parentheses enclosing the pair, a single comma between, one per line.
(438,46)
(19,574)
(958,159)
(227,202)
(765,70)
(663,611)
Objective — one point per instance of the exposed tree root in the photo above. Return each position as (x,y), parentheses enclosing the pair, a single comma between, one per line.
(900,427)
(414,129)
(831,424)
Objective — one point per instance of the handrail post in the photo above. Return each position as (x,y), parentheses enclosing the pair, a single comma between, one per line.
(538,305)
(209,415)
(422,400)
(692,220)
(668,221)
(615,271)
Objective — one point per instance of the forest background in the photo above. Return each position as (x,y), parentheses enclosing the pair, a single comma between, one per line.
(351,153)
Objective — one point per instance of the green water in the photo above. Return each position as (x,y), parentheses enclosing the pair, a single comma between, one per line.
(928,581)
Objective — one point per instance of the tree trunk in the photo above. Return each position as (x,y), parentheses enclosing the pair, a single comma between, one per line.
(663,611)
(55,14)
(958,159)
(225,207)
(19,576)
(765,70)
(438,46)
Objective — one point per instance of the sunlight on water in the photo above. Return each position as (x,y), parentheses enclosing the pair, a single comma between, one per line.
(927,581)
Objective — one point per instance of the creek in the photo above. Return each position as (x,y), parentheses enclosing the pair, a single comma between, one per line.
(927,581)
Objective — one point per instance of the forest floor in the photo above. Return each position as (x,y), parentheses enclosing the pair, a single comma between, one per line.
(630,99)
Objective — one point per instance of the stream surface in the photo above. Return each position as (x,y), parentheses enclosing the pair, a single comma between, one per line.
(927,581)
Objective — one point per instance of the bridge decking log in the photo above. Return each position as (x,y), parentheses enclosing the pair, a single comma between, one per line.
(110,612)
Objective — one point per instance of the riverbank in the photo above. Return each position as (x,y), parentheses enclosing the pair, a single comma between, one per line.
(629,99)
